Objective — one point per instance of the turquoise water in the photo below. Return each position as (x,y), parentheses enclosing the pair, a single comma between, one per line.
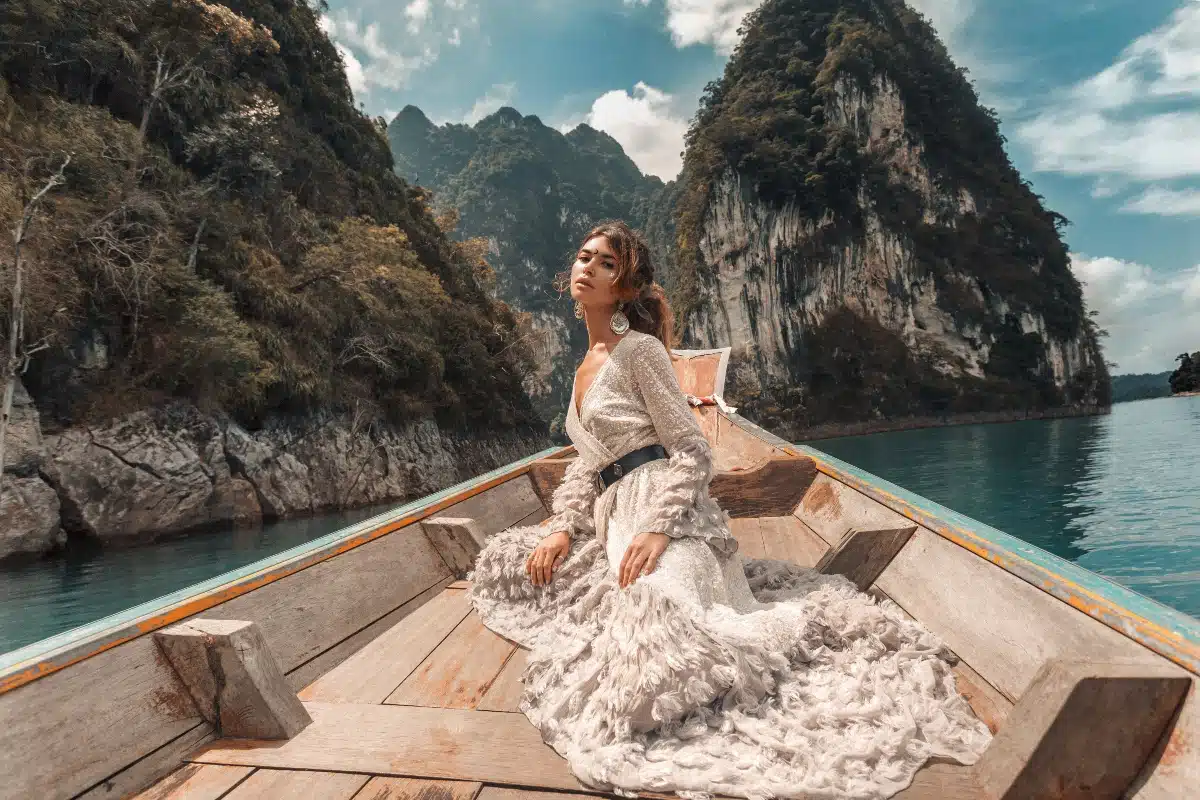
(1119,495)
(42,598)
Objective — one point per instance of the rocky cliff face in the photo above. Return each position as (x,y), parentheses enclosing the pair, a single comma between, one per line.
(862,241)
(531,192)
(176,469)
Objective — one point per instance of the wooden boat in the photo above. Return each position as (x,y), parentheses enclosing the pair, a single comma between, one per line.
(353,666)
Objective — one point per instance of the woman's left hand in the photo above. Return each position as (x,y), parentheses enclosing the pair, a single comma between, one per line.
(641,557)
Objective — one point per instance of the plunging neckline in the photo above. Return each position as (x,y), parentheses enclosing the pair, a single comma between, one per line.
(578,404)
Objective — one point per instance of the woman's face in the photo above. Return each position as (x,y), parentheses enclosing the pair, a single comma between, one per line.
(593,272)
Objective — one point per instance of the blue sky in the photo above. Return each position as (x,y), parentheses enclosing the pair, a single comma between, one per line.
(1099,101)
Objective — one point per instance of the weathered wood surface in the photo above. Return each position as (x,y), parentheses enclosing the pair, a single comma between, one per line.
(942,782)
(772,488)
(233,678)
(314,668)
(789,539)
(375,671)
(991,707)
(311,611)
(197,782)
(50,750)
(999,624)
(459,672)
(417,789)
(459,584)
(748,533)
(1173,770)
(1082,730)
(698,374)
(409,740)
(272,784)
(505,692)
(509,793)
(862,555)
(147,770)
(498,508)
(457,539)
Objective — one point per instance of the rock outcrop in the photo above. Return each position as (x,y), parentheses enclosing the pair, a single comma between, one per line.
(848,222)
(176,469)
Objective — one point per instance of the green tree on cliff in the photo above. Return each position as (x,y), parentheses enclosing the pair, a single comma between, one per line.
(1187,377)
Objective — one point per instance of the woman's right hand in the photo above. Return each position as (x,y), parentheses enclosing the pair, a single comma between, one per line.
(546,557)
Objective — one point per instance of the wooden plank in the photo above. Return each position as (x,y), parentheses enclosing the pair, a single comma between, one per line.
(314,668)
(505,694)
(144,772)
(942,782)
(1002,626)
(861,556)
(196,782)
(831,508)
(375,671)
(459,672)
(748,533)
(270,784)
(498,508)
(990,706)
(1173,770)
(409,740)
(458,541)
(313,610)
(509,793)
(50,750)
(417,789)
(458,584)
(1083,729)
(789,539)
(771,488)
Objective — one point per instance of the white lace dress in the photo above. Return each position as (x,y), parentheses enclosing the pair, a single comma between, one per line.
(715,674)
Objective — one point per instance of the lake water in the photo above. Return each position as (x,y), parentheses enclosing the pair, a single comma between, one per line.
(1119,495)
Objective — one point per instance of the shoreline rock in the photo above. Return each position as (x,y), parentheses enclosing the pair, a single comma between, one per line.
(177,470)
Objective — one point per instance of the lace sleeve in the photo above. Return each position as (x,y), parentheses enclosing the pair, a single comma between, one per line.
(690,469)
(574,500)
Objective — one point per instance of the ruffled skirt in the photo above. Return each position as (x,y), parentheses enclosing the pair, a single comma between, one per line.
(721,675)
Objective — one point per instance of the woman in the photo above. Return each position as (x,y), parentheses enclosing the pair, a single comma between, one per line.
(661,660)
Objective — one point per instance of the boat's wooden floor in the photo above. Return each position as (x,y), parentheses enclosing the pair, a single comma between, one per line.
(428,711)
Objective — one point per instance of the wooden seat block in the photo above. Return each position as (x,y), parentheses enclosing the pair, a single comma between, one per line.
(771,488)
(196,782)
(1082,730)
(457,540)
(234,679)
(862,556)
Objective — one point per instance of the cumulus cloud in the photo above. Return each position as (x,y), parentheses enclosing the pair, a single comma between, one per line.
(1135,120)
(1151,317)
(501,94)
(417,12)
(713,22)
(647,125)
(1168,202)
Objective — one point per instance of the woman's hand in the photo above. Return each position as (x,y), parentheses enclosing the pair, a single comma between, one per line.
(546,557)
(641,557)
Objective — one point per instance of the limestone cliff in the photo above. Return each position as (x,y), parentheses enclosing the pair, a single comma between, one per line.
(531,192)
(849,222)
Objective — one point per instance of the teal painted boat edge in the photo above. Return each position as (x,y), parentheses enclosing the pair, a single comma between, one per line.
(114,627)
(1043,570)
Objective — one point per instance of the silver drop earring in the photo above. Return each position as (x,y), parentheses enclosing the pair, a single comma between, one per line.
(578,310)
(619,322)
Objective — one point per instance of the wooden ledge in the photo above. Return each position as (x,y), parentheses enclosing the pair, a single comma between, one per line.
(772,488)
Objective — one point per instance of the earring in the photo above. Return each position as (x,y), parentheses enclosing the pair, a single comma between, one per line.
(578,310)
(619,322)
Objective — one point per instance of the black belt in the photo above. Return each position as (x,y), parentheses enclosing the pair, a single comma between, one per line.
(628,463)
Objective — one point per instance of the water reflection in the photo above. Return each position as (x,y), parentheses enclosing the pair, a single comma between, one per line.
(1117,494)
(47,597)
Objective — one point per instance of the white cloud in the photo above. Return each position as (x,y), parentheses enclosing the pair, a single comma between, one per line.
(645,123)
(1150,317)
(948,17)
(455,38)
(1137,119)
(354,70)
(713,22)
(501,94)
(1168,202)
(417,12)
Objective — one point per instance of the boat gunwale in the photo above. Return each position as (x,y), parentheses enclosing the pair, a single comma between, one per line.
(47,656)
(1166,631)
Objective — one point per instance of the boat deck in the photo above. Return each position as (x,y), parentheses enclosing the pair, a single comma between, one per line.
(428,711)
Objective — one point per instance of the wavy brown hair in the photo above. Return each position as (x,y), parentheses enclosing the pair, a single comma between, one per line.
(642,300)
